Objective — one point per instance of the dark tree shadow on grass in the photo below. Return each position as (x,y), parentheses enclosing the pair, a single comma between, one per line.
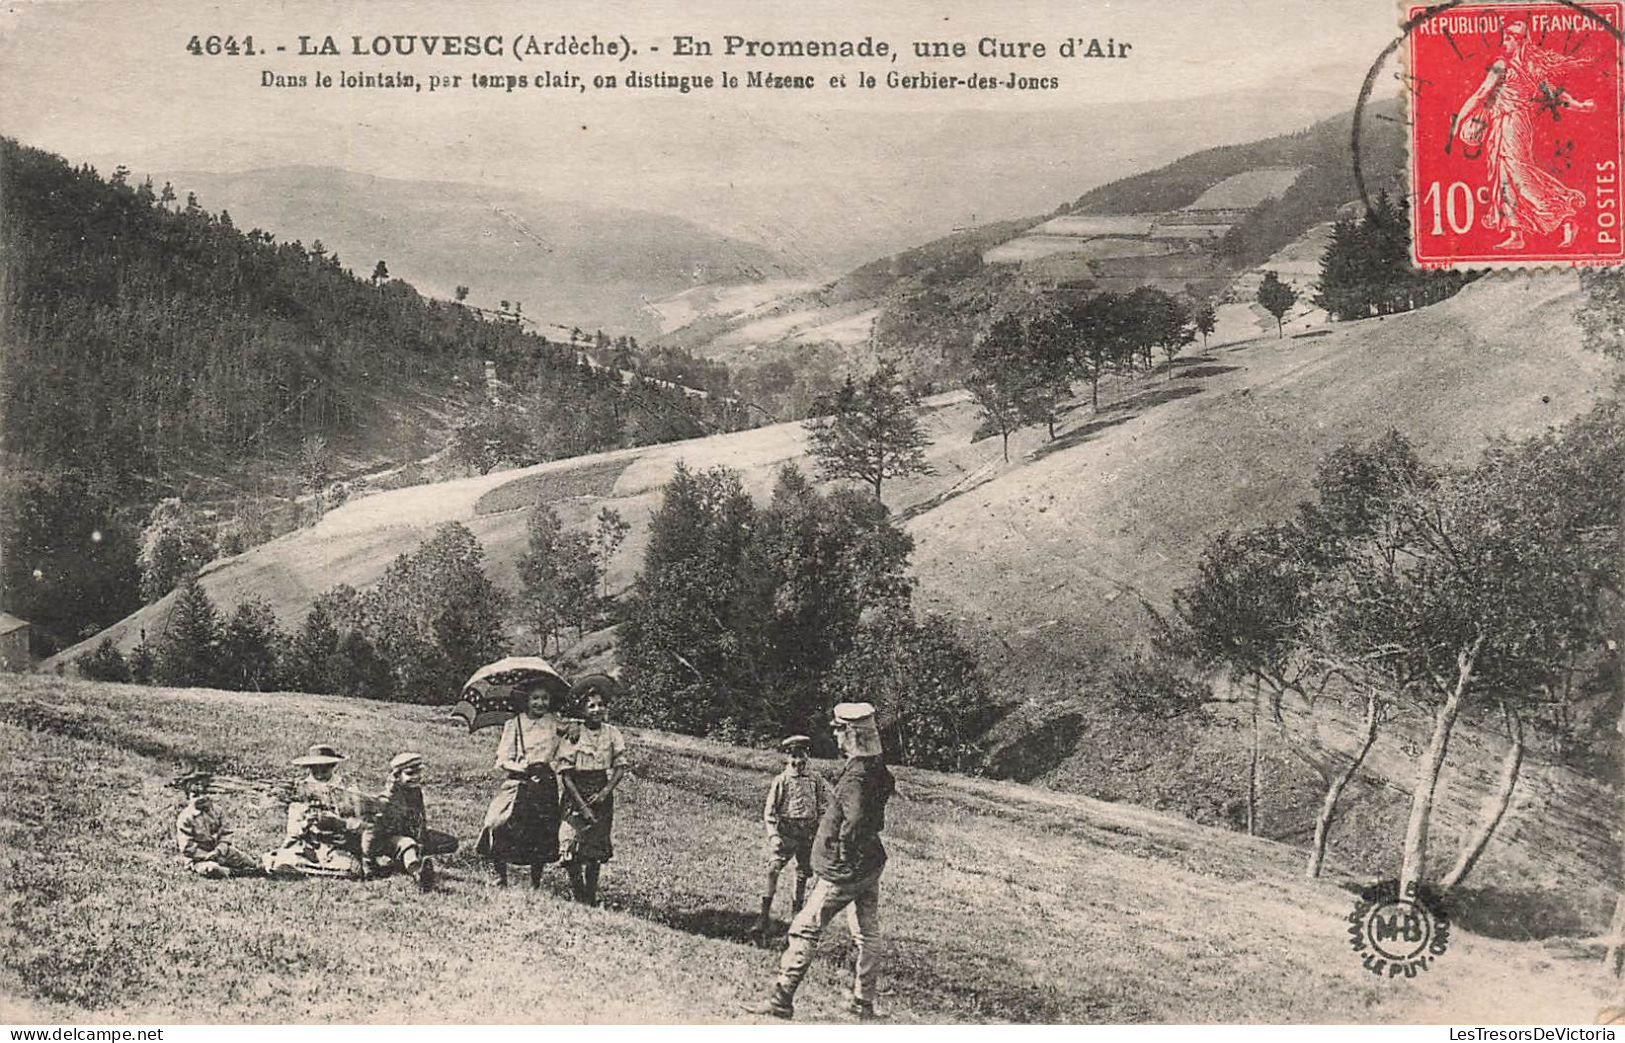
(1518,915)
(1040,750)
(1078,435)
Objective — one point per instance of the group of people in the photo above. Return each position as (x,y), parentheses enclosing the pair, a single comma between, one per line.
(332,830)
(557,804)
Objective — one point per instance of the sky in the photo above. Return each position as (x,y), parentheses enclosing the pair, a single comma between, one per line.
(107,81)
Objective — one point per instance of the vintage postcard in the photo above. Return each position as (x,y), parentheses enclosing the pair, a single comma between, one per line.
(932,513)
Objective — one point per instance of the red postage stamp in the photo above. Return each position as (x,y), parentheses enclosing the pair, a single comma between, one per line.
(1515,134)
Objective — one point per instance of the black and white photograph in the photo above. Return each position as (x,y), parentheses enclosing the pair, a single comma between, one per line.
(1096,513)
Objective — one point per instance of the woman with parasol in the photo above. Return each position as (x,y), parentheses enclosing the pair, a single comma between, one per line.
(522,823)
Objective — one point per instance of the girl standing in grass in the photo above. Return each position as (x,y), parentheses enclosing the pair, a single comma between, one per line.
(522,823)
(591,765)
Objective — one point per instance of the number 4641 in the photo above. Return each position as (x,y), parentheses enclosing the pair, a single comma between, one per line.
(221,45)
(1454,206)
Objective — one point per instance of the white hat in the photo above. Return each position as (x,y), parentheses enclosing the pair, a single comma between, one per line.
(853,714)
(403,761)
(858,720)
(319,754)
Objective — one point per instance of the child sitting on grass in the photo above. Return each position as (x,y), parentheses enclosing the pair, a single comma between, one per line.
(399,834)
(200,833)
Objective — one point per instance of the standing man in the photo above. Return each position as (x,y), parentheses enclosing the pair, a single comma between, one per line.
(795,803)
(848,858)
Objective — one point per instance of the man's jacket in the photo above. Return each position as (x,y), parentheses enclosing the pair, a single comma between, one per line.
(848,846)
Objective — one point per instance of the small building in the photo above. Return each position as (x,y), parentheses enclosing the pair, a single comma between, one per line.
(15,656)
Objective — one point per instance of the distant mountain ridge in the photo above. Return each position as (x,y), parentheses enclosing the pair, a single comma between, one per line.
(570,264)
(930,301)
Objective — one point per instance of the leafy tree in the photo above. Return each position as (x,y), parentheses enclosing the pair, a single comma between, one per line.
(189,645)
(1205,319)
(488,436)
(173,546)
(999,383)
(106,663)
(1157,320)
(1103,337)
(436,616)
(932,699)
(380,273)
(461,294)
(689,653)
(1277,298)
(250,649)
(740,612)
(1438,593)
(560,574)
(869,431)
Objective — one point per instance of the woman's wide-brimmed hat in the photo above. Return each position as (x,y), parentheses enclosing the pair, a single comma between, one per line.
(318,755)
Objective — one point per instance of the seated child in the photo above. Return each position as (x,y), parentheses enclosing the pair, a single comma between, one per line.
(200,833)
(399,835)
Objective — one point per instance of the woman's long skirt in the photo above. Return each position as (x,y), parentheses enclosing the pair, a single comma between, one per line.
(522,823)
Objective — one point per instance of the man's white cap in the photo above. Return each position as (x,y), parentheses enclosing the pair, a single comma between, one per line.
(854,714)
(405,760)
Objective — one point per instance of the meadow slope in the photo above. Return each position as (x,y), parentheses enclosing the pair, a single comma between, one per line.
(1002,902)
(1119,504)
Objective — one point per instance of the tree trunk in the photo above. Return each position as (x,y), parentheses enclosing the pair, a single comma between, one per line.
(1094,393)
(1497,811)
(1006,449)
(1252,770)
(1414,863)
(1334,792)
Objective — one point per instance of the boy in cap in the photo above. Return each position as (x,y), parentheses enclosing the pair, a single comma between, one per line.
(399,834)
(848,858)
(795,802)
(200,832)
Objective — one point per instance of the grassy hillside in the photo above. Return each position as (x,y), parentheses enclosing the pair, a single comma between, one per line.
(1046,560)
(930,301)
(1002,903)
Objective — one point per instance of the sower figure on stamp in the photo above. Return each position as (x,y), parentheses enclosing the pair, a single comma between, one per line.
(399,835)
(200,833)
(1503,115)
(848,858)
(795,803)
